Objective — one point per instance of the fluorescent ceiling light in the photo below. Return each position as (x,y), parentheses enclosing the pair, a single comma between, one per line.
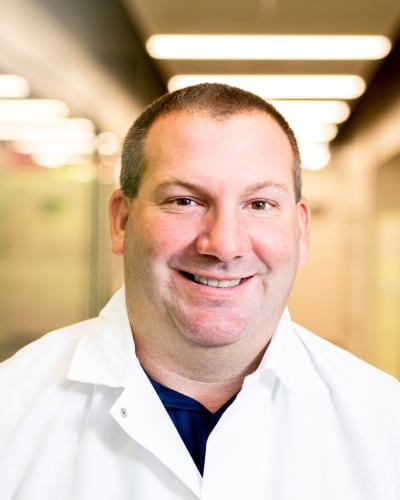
(32,109)
(268,47)
(314,156)
(13,86)
(283,86)
(59,160)
(314,132)
(326,111)
(70,129)
(84,147)
(51,161)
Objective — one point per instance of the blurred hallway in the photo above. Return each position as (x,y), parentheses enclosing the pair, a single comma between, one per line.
(55,261)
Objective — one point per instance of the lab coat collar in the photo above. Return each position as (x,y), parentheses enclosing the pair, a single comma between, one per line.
(285,359)
(105,355)
(288,360)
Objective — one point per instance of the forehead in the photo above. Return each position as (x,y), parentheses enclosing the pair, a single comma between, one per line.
(187,128)
(241,147)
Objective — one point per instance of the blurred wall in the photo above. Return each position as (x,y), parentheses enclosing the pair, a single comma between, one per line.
(349,291)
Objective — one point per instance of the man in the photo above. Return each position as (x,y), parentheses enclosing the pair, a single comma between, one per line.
(193,382)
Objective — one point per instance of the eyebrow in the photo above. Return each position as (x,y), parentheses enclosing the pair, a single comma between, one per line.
(258,186)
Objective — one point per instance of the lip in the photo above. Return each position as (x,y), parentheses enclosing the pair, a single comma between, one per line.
(215,282)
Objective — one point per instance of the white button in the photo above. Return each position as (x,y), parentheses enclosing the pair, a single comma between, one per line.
(123,412)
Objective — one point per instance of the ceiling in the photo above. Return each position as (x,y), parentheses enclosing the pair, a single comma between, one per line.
(91,53)
(284,17)
(275,17)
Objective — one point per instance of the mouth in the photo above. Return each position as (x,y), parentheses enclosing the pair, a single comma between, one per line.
(212,282)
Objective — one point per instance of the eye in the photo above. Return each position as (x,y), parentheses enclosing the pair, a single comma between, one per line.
(260,205)
(184,202)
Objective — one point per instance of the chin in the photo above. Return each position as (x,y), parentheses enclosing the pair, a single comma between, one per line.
(214,333)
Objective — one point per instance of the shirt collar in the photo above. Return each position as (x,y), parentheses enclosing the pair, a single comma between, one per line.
(105,354)
(288,360)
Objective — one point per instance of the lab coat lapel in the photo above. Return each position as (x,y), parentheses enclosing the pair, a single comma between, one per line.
(233,469)
(141,414)
(106,356)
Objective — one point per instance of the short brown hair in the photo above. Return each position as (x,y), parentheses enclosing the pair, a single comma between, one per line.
(219,100)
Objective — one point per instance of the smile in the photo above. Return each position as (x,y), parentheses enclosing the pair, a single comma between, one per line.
(212,282)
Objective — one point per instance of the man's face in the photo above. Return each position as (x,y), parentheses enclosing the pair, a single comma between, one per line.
(214,237)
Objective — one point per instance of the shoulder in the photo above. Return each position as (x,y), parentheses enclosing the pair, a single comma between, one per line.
(48,356)
(34,382)
(347,375)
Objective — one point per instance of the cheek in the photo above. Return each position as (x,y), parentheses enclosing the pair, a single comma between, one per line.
(161,238)
(279,246)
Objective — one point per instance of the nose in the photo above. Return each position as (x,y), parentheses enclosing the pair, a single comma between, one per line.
(224,236)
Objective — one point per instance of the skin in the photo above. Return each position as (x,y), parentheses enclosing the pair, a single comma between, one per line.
(216,201)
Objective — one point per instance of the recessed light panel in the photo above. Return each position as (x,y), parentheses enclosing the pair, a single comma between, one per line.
(268,47)
(283,86)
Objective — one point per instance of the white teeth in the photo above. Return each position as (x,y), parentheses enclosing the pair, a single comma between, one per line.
(216,283)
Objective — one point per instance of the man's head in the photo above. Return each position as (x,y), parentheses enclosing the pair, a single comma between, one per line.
(208,220)
(213,233)
(220,101)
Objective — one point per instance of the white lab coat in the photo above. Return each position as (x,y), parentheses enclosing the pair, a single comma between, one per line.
(79,420)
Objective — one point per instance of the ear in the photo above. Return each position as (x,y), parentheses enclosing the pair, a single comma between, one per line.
(304,220)
(118,212)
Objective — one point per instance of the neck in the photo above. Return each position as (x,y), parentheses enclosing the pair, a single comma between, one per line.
(209,383)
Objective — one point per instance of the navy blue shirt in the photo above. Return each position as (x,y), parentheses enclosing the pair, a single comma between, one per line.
(193,421)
